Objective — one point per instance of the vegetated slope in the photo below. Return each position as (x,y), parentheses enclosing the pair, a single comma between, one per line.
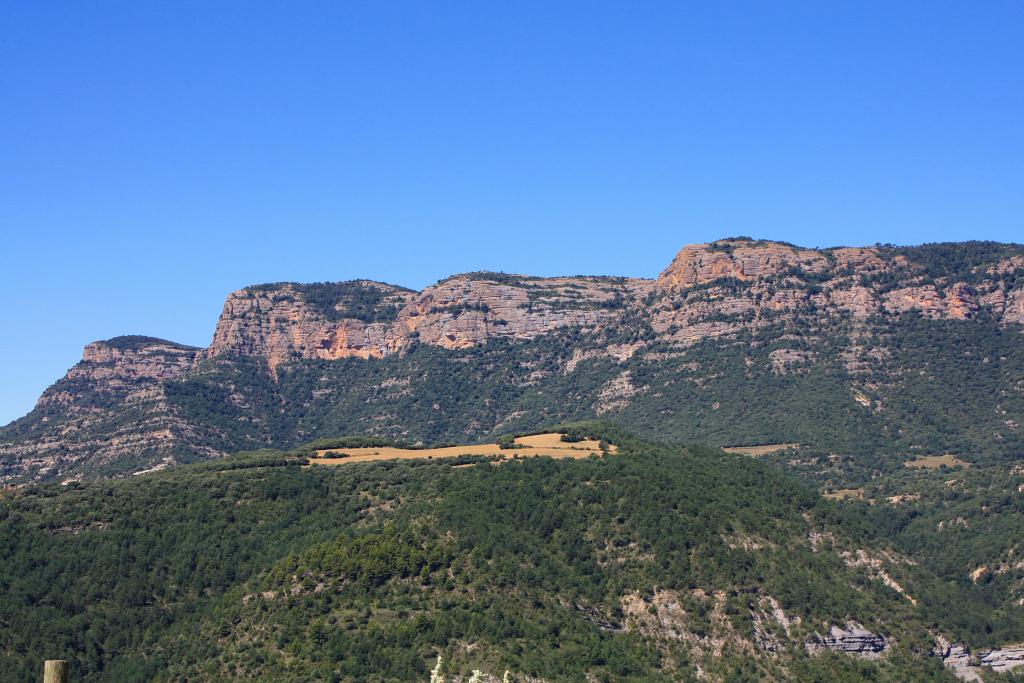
(965,525)
(862,353)
(652,564)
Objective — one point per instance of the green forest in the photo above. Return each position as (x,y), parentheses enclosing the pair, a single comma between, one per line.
(258,568)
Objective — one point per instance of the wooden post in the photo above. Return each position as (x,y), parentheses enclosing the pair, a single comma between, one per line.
(55,671)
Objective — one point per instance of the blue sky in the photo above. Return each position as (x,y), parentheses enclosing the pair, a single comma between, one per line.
(155,156)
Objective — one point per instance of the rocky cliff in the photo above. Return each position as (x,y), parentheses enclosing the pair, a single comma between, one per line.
(708,290)
(1004,659)
(111,406)
(851,639)
(712,289)
(284,322)
(481,352)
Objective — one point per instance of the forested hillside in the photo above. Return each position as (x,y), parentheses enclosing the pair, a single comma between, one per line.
(651,564)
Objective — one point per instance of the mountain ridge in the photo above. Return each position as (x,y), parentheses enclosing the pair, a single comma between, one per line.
(128,397)
(861,258)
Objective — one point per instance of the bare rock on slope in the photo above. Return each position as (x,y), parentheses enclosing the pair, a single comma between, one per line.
(852,639)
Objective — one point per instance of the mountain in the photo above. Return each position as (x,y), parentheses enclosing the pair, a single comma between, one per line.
(649,564)
(867,524)
(864,356)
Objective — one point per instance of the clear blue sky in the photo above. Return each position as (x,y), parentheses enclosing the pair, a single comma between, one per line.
(156,155)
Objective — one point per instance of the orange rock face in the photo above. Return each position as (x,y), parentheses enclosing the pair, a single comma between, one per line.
(695,297)
(961,302)
(925,299)
(700,264)
(460,312)
(277,323)
(1014,312)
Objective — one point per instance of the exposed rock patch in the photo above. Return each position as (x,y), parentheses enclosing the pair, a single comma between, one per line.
(617,393)
(700,264)
(957,659)
(852,639)
(876,567)
(772,627)
(1004,659)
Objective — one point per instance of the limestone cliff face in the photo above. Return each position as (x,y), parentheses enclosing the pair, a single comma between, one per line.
(150,359)
(84,416)
(114,404)
(723,287)
(708,290)
(124,365)
(279,324)
(466,310)
(1014,311)
(852,639)
(700,264)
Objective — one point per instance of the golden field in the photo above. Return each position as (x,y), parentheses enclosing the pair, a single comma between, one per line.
(538,445)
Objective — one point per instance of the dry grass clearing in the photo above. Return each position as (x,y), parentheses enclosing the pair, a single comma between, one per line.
(548,445)
(845,494)
(934,462)
(758,451)
(554,440)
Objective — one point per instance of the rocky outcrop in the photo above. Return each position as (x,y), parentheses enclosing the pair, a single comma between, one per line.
(466,311)
(857,301)
(1014,310)
(852,639)
(128,367)
(1003,659)
(617,394)
(670,616)
(959,302)
(772,626)
(135,358)
(1008,266)
(701,264)
(279,323)
(79,418)
(773,275)
(957,659)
